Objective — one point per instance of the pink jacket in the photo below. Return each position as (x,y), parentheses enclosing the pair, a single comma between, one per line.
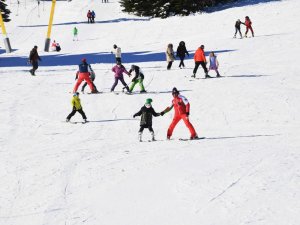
(119,70)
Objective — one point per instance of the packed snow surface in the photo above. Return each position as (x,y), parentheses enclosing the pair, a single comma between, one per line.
(245,171)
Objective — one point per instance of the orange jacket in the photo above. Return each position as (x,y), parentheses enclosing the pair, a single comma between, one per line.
(199,55)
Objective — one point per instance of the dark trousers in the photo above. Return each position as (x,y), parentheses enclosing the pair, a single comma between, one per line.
(89,20)
(238,30)
(169,65)
(93,19)
(84,85)
(118,59)
(74,111)
(146,126)
(181,62)
(35,66)
(197,63)
(117,79)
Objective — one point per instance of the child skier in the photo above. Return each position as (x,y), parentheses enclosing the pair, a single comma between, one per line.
(213,63)
(238,28)
(248,25)
(119,69)
(76,108)
(138,78)
(182,111)
(75,34)
(170,56)
(146,119)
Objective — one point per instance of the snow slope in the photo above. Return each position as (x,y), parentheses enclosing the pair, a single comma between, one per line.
(247,169)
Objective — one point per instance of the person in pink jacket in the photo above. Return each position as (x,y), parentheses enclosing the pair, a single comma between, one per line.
(119,69)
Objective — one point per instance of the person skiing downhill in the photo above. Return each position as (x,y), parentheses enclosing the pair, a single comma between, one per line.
(213,63)
(138,78)
(84,74)
(146,113)
(34,59)
(238,28)
(76,108)
(248,25)
(181,52)
(200,59)
(119,69)
(182,111)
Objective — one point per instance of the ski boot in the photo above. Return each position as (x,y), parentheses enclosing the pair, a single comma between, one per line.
(153,138)
(67,120)
(207,76)
(194,137)
(194,75)
(140,136)
(168,137)
(218,75)
(143,91)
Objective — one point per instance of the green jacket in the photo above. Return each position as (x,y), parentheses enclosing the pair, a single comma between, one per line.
(75,31)
(76,102)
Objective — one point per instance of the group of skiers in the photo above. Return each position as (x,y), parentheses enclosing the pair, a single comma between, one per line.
(248,25)
(55,46)
(91,15)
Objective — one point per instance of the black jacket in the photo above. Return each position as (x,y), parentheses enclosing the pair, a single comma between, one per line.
(147,114)
(181,50)
(138,73)
(34,56)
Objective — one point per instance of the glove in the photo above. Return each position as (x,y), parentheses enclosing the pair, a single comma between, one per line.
(162,113)
(134,116)
(187,114)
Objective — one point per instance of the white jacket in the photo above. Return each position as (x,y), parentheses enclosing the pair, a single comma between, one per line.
(117,52)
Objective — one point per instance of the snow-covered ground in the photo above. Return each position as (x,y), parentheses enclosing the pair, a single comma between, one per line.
(246,171)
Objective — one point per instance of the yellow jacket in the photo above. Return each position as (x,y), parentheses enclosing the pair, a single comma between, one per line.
(76,102)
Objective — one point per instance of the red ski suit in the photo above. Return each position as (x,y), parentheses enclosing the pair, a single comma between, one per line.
(182,109)
(248,25)
(83,76)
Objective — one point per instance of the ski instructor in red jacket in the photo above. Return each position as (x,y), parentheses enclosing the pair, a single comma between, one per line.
(182,111)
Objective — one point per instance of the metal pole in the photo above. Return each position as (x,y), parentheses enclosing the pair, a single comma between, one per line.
(47,42)
(6,39)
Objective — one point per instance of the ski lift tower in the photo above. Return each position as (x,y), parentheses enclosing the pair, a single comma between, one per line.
(6,39)
(47,42)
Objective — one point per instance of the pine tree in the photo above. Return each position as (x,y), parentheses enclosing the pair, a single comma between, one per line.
(4,11)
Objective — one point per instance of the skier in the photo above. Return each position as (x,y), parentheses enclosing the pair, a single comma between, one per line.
(83,74)
(238,28)
(248,25)
(58,48)
(75,34)
(181,52)
(138,78)
(76,108)
(93,14)
(53,46)
(119,69)
(117,52)
(89,16)
(182,111)
(213,63)
(34,59)
(170,56)
(200,59)
(146,113)
(92,77)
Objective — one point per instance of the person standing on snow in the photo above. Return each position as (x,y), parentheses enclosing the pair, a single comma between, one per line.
(170,55)
(84,74)
(200,59)
(93,14)
(181,52)
(117,52)
(238,28)
(138,78)
(89,16)
(75,34)
(182,112)
(213,63)
(119,69)
(34,59)
(248,25)
(92,77)
(146,113)
(76,108)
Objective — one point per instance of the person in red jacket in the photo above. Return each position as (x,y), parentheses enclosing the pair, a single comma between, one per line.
(182,111)
(248,25)
(200,59)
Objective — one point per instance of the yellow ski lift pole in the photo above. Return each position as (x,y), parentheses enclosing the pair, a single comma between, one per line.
(6,40)
(47,43)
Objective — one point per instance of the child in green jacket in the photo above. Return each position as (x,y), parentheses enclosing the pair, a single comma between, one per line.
(76,108)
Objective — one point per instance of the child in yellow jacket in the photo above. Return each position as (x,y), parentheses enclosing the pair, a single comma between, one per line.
(76,108)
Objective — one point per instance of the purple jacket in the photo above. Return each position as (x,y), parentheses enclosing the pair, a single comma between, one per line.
(119,71)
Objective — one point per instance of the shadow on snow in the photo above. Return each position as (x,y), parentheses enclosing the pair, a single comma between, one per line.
(92,58)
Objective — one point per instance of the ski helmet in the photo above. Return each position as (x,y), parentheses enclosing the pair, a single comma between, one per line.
(115,46)
(175,91)
(76,94)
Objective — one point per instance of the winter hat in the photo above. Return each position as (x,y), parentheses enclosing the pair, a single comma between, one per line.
(83,60)
(35,46)
(115,46)
(175,91)
(202,46)
(148,101)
